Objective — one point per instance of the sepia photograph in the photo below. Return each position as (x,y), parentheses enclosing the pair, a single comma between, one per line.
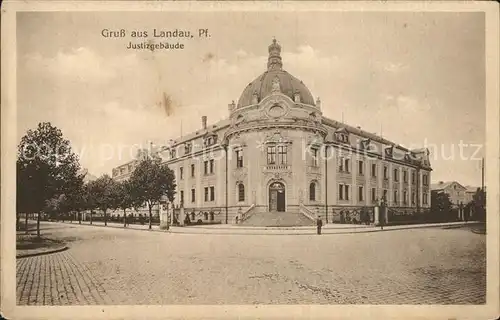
(225,155)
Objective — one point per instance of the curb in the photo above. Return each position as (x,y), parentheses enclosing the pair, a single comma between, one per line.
(115,227)
(339,231)
(26,255)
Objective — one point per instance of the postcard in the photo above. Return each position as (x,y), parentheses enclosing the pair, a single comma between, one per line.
(250,160)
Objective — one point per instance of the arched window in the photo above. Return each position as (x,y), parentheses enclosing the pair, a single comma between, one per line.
(241,192)
(312,191)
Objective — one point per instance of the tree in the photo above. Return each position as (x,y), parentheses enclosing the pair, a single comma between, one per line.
(75,196)
(104,192)
(151,181)
(46,167)
(88,198)
(440,204)
(479,204)
(125,199)
(55,206)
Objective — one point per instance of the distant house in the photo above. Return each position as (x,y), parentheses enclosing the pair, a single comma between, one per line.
(457,192)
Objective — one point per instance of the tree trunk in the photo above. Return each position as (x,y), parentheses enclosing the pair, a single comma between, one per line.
(150,207)
(79,217)
(105,218)
(26,223)
(91,216)
(38,225)
(124,218)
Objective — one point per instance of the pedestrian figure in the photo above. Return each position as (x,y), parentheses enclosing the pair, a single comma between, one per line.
(319,224)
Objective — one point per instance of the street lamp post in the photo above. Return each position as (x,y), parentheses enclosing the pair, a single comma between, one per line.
(326,184)
(226,156)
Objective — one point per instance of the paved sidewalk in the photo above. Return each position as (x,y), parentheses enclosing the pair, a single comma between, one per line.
(303,230)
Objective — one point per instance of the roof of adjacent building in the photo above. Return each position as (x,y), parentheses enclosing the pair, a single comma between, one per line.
(441,185)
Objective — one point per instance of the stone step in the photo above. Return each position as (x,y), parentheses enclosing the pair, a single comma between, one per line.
(277,219)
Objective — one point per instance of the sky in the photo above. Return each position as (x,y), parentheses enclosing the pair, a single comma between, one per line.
(416,78)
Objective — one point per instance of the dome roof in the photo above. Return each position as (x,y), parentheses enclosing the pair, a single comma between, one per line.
(265,84)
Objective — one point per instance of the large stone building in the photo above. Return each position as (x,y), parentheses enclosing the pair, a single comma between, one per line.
(276,152)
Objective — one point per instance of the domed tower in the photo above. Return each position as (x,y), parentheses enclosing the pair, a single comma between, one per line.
(276,130)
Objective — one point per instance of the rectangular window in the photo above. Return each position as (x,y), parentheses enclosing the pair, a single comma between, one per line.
(385,173)
(396,175)
(314,159)
(341,192)
(239,158)
(341,164)
(205,167)
(413,198)
(374,194)
(206,194)
(405,176)
(405,194)
(360,193)
(271,155)
(424,198)
(360,167)
(346,187)
(384,195)
(181,173)
(212,193)
(374,170)
(396,200)
(346,167)
(241,192)
(211,166)
(413,178)
(192,170)
(193,195)
(182,196)
(282,153)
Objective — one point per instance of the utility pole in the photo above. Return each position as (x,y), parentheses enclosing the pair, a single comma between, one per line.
(326,183)
(418,189)
(482,175)
(226,159)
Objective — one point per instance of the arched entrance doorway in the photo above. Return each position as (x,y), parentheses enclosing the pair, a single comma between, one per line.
(277,197)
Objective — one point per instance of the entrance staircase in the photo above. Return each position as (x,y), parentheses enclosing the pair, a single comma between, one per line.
(277,219)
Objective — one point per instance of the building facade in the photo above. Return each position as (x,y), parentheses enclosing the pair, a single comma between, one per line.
(458,194)
(277,152)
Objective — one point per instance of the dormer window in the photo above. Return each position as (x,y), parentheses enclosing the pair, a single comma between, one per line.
(341,135)
(172,153)
(188,148)
(365,144)
(388,151)
(210,140)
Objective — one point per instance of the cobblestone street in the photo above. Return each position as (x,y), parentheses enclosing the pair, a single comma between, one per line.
(116,266)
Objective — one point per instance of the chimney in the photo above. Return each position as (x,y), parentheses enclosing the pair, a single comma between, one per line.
(204,122)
